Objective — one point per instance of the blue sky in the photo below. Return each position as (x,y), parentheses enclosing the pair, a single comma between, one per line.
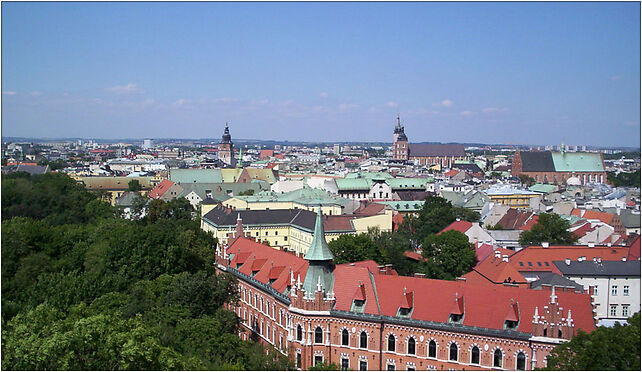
(464,72)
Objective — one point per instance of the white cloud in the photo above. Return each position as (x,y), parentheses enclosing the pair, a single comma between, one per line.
(445,103)
(392,104)
(493,109)
(346,106)
(467,113)
(224,100)
(323,94)
(9,93)
(180,102)
(129,88)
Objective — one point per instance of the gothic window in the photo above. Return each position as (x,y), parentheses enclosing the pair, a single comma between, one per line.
(363,365)
(432,349)
(497,358)
(363,340)
(411,346)
(299,332)
(474,355)
(391,343)
(344,337)
(521,362)
(454,350)
(318,335)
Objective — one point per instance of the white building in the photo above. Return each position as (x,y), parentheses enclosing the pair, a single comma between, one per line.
(615,284)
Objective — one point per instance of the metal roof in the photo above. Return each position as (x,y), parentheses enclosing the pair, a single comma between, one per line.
(603,268)
(577,162)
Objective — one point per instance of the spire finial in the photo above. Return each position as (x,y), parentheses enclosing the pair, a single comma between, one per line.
(553,297)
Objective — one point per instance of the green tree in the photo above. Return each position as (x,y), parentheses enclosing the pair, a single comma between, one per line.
(353,248)
(134,185)
(606,348)
(323,366)
(448,255)
(526,180)
(550,227)
(247,192)
(624,179)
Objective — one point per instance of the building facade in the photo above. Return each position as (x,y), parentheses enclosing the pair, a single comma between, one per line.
(363,317)
(226,148)
(560,168)
(443,155)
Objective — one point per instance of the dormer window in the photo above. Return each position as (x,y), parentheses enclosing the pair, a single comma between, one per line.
(358,306)
(404,312)
(510,324)
(457,311)
(456,318)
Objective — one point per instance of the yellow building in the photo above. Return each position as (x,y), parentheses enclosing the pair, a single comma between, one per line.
(287,229)
(514,198)
(114,187)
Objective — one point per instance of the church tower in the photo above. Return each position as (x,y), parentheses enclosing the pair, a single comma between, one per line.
(400,142)
(226,148)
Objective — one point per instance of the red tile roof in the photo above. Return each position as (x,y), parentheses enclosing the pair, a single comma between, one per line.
(590,214)
(634,249)
(582,230)
(461,226)
(537,258)
(515,220)
(414,256)
(495,270)
(160,189)
(451,173)
(483,250)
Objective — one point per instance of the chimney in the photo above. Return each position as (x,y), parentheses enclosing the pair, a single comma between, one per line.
(544,244)
(568,261)
(505,258)
(419,275)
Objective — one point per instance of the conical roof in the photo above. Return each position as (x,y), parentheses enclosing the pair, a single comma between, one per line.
(319,250)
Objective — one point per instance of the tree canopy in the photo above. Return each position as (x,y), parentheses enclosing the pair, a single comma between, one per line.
(550,227)
(448,255)
(83,289)
(606,348)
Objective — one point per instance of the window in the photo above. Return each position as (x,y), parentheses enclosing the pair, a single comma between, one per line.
(625,310)
(266,233)
(363,365)
(474,355)
(613,310)
(410,368)
(391,343)
(432,349)
(614,290)
(276,233)
(411,346)
(299,332)
(595,291)
(363,340)
(625,291)
(454,350)
(345,364)
(391,367)
(318,335)
(318,359)
(285,238)
(497,358)
(521,362)
(298,360)
(345,337)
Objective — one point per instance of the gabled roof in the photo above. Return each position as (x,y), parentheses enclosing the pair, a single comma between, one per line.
(603,268)
(183,176)
(537,161)
(160,189)
(539,259)
(515,219)
(590,214)
(634,249)
(433,149)
(577,162)
(461,226)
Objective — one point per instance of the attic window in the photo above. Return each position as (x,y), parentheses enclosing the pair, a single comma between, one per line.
(539,263)
(510,324)
(358,306)
(521,263)
(404,312)
(456,318)
(530,263)
(546,263)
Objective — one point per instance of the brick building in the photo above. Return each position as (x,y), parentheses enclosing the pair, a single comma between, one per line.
(558,167)
(426,154)
(364,317)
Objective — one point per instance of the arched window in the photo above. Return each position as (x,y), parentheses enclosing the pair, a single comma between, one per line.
(559,333)
(497,358)
(411,346)
(432,349)
(318,335)
(454,350)
(345,337)
(363,340)
(521,362)
(391,343)
(474,355)
(299,332)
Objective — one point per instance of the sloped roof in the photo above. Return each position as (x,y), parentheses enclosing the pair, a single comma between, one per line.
(407,183)
(515,219)
(542,188)
(461,226)
(114,183)
(160,189)
(537,161)
(577,162)
(187,176)
(319,250)
(591,214)
(556,280)
(537,258)
(434,149)
(353,184)
(603,268)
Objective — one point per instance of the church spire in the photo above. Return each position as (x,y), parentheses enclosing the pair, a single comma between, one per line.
(319,250)
(319,275)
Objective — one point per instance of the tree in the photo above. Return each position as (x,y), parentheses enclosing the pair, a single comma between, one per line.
(526,180)
(448,255)
(624,179)
(247,192)
(134,185)
(353,248)
(606,348)
(323,366)
(551,228)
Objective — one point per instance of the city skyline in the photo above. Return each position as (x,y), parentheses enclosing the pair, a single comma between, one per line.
(332,72)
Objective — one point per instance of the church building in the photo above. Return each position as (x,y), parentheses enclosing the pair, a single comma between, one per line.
(226,148)
(426,154)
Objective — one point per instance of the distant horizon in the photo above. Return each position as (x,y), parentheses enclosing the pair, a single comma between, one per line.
(504,73)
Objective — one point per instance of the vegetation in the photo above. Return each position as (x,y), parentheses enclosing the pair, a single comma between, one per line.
(526,180)
(448,255)
(134,185)
(606,348)
(550,227)
(624,179)
(248,192)
(323,366)
(620,155)
(83,289)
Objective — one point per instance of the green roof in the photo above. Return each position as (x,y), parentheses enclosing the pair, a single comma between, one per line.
(368,175)
(577,162)
(319,250)
(543,188)
(181,176)
(319,257)
(305,196)
(353,183)
(408,183)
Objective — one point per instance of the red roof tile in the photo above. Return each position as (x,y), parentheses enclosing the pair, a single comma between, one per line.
(634,249)
(461,226)
(160,189)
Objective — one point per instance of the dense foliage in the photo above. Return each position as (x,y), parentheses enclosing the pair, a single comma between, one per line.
(448,255)
(550,227)
(606,348)
(624,179)
(83,289)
